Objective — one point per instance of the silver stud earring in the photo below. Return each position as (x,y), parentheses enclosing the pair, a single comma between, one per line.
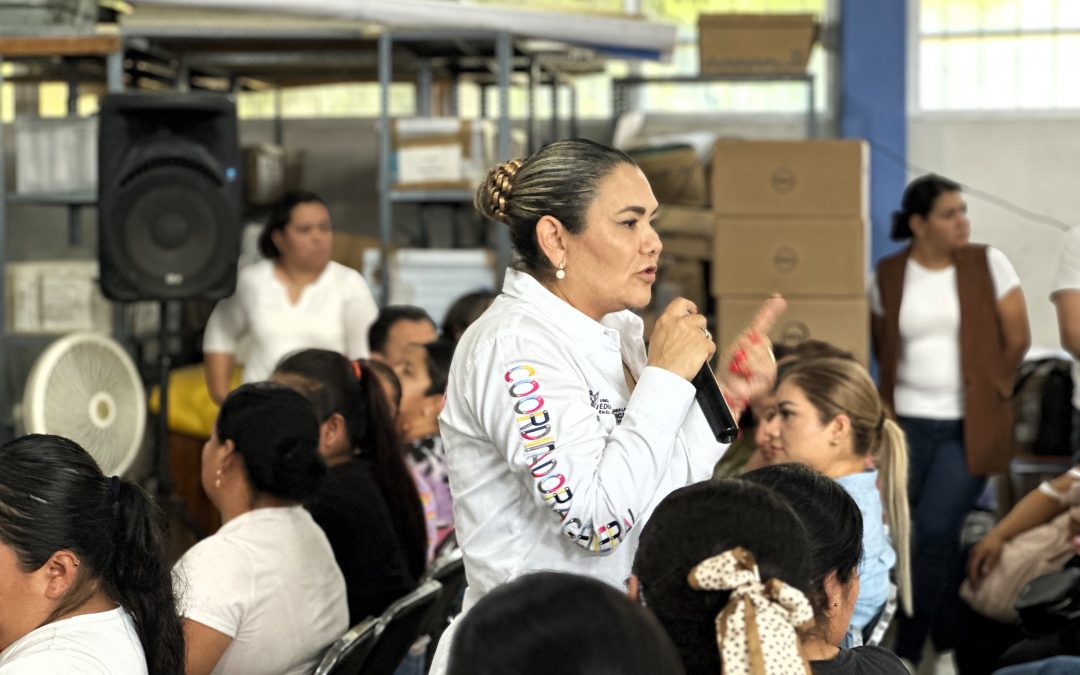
(560,273)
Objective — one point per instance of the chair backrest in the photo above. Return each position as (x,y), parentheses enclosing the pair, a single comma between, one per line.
(347,654)
(449,570)
(402,623)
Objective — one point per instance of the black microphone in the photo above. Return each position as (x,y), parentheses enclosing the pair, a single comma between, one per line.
(713,404)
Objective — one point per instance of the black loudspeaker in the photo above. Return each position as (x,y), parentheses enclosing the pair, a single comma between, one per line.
(169,219)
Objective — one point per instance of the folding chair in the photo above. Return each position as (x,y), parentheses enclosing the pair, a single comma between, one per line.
(449,570)
(349,651)
(402,622)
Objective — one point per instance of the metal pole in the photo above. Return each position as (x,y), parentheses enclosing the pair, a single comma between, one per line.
(114,71)
(573,111)
(811,108)
(554,108)
(74,211)
(385,207)
(503,54)
(423,88)
(279,124)
(455,83)
(534,79)
(5,385)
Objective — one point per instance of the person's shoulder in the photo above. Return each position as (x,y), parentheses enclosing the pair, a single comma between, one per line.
(874,659)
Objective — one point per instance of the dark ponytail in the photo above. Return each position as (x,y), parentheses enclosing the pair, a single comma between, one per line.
(918,200)
(335,385)
(54,497)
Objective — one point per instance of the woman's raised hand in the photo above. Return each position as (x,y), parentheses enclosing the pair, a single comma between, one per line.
(747,368)
(680,342)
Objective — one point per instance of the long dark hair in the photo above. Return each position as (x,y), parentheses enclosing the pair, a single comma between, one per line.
(831,517)
(276,433)
(54,497)
(336,386)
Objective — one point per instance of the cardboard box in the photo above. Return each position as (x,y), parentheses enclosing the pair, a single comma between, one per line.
(348,249)
(844,322)
(56,154)
(684,220)
(755,43)
(791,178)
(675,173)
(686,247)
(795,256)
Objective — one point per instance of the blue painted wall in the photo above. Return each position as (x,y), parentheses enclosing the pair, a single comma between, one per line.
(873,103)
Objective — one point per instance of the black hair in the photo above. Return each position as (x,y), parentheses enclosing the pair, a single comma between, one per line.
(560,180)
(334,385)
(698,522)
(464,312)
(388,316)
(387,375)
(439,356)
(280,215)
(596,630)
(831,518)
(919,198)
(54,497)
(276,433)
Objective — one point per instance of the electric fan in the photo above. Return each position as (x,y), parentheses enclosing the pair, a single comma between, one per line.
(85,387)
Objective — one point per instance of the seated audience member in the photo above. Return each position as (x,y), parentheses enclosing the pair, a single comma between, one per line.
(368,505)
(713,555)
(423,374)
(765,450)
(263,594)
(463,312)
(834,523)
(398,327)
(594,629)
(831,419)
(84,587)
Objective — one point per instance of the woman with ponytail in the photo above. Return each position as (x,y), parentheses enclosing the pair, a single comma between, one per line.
(84,586)
(263,594)
(368,505)
(830,418)
(950,327)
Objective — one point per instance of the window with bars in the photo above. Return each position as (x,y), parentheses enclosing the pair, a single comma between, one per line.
(998,55)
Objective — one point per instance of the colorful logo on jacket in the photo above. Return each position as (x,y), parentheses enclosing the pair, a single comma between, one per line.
(535,429)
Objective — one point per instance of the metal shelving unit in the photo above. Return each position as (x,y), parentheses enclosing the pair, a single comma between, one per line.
(620,89)
(490,59)
(71,48)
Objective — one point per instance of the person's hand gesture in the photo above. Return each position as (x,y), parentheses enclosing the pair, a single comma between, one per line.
(747,368)
(983,557)
(680,342)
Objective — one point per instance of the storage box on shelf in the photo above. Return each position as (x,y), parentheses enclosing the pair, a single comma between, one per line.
(765,44)
(675,174)
(431,278)
(56,155)
(790,218)
(844,322)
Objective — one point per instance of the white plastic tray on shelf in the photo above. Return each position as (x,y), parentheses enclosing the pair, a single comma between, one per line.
(431,278)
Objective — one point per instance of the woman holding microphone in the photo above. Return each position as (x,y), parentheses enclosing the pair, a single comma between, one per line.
(562,433)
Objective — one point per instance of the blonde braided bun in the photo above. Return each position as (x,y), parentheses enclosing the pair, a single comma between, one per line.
(494,193)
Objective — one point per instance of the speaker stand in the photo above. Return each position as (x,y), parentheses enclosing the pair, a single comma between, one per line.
(171,503)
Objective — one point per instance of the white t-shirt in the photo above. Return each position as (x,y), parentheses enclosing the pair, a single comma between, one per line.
(929,383)
(333,312)
(268,580)
(102,643)
(554,464)
(1067,278)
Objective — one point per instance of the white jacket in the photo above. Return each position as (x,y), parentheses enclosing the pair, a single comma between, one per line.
(553,464)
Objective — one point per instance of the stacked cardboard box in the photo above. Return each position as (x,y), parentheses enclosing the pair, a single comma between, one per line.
(790,218)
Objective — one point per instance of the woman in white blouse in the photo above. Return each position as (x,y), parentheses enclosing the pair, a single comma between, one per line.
(297,298)
(264,593)
(561,432)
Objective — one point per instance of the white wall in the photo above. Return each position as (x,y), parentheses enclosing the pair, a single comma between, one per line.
(1030,161)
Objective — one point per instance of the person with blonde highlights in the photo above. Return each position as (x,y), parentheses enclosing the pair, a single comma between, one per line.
(831,419)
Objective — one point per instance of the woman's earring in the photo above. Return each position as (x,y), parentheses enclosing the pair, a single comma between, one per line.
(560,273)
(217,479)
